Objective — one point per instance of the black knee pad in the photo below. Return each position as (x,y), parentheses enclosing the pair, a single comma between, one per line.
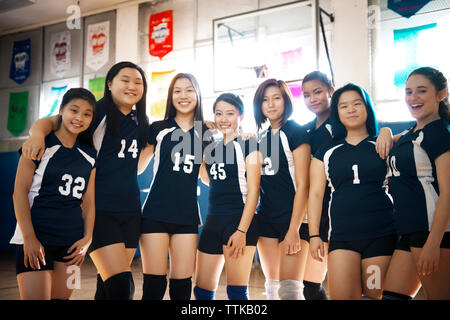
(119,287)
(314,291)
(389,295)
(180,289)
(154,287)
(100,293)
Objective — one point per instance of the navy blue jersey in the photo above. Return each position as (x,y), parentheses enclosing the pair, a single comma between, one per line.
(413,175)
(177,159)
(360,207)
(116,186)
(278,184)
(227,175)
(319,138)
(60,180)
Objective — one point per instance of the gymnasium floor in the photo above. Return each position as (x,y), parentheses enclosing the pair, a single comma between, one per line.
(10,291)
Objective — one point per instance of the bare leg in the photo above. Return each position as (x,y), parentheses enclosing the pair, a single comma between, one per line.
(208,270)
(344,275)
(401,276)
(373,275)
(35,285)
(436,285)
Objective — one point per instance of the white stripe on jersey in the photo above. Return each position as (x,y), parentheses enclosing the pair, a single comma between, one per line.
(424,172)
(263,134)
(99,134)
(326,162)
(35,187)
(289,157)
(330,130)
(157,156)
(87,157)
(241,170)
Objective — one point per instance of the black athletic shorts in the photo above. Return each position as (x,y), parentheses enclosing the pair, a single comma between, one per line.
(383,246)
(279,230)
(304,232)
(51,254)
(418,239)
(153,226)
(111,228)
(219,228)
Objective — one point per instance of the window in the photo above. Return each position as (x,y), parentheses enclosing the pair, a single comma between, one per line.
(400,45)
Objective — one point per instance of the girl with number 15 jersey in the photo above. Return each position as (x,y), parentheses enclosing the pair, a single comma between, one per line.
(170,212)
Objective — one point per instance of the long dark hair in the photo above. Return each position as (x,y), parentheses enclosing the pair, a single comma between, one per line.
(260,118)
(112,111)
(339,130)
(84,94)
(439,81)
(170,108)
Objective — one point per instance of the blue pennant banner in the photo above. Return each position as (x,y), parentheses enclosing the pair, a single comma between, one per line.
(20,61)
(406,8)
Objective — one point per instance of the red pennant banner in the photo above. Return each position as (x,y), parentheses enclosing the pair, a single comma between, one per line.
(161,34)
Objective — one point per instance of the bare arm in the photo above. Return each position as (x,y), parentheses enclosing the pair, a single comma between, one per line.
(145,157)
(315,200)
(385,141)
(79,249)
(204,174)
(429,257)
(237,241)
(33,250)
(33,148)
(302,156)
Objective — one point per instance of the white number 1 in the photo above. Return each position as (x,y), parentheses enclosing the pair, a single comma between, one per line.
(355,174)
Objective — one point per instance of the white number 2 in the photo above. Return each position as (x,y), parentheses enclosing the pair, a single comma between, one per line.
(355,174)
(78,188)
(268,171)
(133,149)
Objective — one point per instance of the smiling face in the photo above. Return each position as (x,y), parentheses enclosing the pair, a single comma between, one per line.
(76,116)
(316,96)
(422,98)
(127,88)
(227,117)
(352,110)
(273,104)
(184,96)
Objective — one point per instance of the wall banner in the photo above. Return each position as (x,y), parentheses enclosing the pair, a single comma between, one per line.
(20,61)
(60,53)
(97,87)
(18,112)
(158,93)
(407,8)
(51,106)
(161,34)
(97,45)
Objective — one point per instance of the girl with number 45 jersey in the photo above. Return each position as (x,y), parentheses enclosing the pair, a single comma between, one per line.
(232,170)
